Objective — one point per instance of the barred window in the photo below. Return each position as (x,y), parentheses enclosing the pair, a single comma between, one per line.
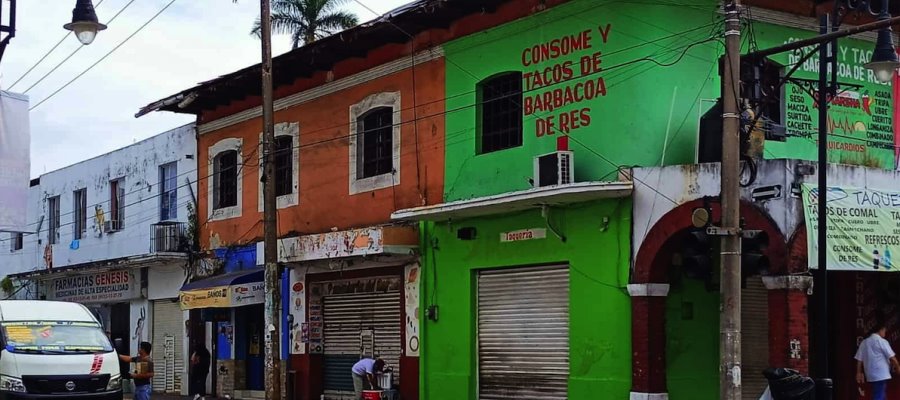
(499,112)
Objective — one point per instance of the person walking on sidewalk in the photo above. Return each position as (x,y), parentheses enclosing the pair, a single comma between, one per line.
(364,375)
(874,361)
(143,371)
(199,371)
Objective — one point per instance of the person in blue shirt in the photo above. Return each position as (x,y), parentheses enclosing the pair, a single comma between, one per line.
(874,362)
(364,375)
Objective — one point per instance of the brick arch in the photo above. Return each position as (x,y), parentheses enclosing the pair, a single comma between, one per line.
(798,257)
(651,266)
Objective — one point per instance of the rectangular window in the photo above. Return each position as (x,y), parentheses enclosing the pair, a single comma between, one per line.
(376,143)
(117,204)
(225,175)
(79,201)
(284,165)
(500,113)
(168,192)
(53,220)
(17,241)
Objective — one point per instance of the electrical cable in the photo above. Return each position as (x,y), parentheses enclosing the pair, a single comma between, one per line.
(44,57)
(77,49)
(104,56)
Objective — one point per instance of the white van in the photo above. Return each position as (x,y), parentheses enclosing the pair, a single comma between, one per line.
(51,349)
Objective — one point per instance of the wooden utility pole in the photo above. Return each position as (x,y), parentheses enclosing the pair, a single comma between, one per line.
(730,318)
(270,214)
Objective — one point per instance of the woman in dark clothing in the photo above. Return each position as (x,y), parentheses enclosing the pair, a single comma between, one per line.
(200,360)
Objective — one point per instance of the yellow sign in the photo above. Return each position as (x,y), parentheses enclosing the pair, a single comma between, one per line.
(215,297)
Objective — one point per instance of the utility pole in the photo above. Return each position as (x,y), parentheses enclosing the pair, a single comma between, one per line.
(270,214)
(730,307)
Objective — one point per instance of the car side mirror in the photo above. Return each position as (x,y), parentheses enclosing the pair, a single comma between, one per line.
(118,342)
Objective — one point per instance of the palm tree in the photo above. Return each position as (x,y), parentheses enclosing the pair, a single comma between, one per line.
(307,20)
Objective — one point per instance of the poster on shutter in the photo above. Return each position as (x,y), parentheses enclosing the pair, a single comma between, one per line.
(15,164)
(300,331)
(411,303)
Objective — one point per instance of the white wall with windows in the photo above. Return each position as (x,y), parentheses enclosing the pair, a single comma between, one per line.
(106,205)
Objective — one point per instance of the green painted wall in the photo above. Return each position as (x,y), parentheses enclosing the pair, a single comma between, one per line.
(692,341)
(644,104)
(599,324)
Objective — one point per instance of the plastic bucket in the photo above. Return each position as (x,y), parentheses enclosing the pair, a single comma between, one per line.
(371,395)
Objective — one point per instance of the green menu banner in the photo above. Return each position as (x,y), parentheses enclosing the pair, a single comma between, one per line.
(863,228)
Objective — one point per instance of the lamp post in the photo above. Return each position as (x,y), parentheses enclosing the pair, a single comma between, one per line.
(884,62)
(84,22)
(9,28)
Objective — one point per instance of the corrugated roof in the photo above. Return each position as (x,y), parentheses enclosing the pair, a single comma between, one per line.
(393,27)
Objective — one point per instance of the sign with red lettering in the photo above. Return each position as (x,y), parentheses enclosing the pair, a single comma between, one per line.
(524,234)
(561,76)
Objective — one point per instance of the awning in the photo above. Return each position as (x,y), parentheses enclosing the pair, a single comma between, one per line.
(517,201)
(233,289)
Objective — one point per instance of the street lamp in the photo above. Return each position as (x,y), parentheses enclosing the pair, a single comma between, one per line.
(84,22)
(884,59)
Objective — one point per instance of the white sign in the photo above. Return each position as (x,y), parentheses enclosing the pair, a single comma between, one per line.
(524,234)
(15,165)
(100,287)
(248,293)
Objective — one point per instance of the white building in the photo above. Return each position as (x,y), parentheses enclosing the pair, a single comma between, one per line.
(112,232)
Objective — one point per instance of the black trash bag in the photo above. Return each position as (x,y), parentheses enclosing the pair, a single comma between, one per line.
(788,384)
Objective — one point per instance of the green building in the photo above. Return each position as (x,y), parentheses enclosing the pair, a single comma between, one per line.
(527,265)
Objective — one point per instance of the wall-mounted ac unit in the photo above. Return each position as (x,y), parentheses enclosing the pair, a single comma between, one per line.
(557,168)
(111,226)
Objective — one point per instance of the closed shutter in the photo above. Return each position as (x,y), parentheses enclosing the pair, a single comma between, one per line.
(755,337)
(168,334)
(523,333)
(355,326)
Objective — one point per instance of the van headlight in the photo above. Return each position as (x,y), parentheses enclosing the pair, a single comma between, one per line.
(115,383)
(10,384)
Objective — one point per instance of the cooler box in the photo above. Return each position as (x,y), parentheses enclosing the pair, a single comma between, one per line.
(371,395)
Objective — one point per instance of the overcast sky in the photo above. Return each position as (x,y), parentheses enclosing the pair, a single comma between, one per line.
(192,41)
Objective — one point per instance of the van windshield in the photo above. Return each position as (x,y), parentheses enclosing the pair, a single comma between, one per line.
(51,337)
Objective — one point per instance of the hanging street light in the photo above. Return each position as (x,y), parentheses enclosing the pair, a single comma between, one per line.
(84,22)
(884,60)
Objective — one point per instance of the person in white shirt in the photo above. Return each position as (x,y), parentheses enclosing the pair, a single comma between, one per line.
(874,361)
(364,374)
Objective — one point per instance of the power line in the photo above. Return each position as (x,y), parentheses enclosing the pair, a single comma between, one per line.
(44,57)
(77,49)
(104,56)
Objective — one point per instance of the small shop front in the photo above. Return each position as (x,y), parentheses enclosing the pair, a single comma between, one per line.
(352,294)
(523,301)
(230,311)
(114,296)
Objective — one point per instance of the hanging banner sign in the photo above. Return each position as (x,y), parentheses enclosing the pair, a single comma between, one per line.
(101,287)
(863,228)
(224,296)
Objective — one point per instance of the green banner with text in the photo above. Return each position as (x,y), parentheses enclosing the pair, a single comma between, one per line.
(863,228)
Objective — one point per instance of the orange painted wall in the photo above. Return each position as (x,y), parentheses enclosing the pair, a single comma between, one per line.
(325,201)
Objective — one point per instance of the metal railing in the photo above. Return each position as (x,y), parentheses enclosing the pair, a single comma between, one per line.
(168,237)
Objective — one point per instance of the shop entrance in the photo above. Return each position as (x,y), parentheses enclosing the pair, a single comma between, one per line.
(249,323)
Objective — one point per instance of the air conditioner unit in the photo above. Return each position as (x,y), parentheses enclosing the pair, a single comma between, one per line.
(166,238)
(556,168)
(111,226)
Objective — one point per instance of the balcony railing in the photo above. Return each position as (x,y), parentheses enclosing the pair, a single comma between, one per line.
(168,237)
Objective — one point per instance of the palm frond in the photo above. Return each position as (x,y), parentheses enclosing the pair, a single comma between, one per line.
(337,21)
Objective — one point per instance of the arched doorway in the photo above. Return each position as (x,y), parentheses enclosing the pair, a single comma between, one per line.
(675,317)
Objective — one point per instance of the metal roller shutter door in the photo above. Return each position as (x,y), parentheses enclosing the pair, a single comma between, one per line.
(523,333)
(755,337)
(168,334)
(358,325)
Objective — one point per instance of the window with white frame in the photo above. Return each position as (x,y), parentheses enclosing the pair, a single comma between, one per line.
(224,185)
(53,220)
(117,204)
(79,200)
(375,142)
(287,164)
(168,192)
(17,241)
